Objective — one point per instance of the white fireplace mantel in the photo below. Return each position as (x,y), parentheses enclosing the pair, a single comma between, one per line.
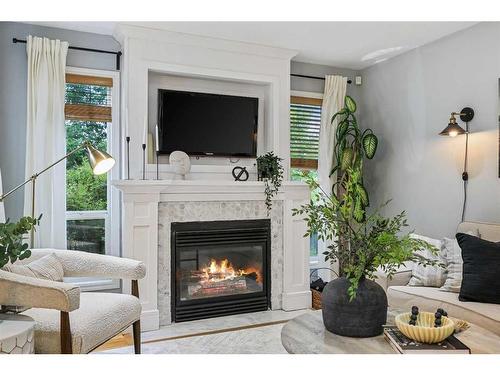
(141,200)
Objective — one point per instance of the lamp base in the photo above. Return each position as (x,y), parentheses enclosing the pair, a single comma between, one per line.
(467,114)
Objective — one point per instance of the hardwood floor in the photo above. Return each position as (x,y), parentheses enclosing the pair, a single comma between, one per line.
(119,341)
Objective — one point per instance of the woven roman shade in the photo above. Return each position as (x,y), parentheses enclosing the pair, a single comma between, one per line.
(88,98)
(305,121)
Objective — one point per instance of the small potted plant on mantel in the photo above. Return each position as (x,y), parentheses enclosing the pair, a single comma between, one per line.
(354,305)
(270,170)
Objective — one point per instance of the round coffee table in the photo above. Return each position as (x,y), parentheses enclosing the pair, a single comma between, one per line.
(306,334)
(16,334)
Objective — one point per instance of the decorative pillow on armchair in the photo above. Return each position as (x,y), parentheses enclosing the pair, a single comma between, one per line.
(47,267)
(428,276)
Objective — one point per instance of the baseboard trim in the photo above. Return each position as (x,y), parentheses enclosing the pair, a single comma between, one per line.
(150,320)
(296,300)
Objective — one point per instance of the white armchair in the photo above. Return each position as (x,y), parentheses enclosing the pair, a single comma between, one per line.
(68,321)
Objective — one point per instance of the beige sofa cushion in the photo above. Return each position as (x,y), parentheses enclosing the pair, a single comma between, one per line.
(100,317)
(486,231)
(400,277)
(486,315)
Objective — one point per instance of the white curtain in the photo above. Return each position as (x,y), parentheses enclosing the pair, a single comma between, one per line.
(45,137)
(333,101)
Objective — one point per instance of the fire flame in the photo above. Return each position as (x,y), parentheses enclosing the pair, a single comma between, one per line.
(224,270)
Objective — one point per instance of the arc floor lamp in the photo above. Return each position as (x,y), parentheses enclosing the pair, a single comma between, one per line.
(100,162)
(452,130)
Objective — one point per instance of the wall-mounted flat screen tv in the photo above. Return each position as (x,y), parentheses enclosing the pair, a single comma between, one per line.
(207,124)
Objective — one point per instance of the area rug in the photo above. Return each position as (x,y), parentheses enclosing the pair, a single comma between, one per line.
(262,339)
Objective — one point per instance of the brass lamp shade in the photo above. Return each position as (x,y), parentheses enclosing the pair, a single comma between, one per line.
(452,130)
(100,161)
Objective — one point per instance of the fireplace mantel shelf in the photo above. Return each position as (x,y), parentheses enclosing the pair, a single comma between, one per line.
(227,189)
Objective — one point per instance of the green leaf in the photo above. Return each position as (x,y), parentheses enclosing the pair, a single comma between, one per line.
(25,255)
(363,195)
(346,158)
(370,143)
(342,129)
(359,212)
(350,104)
(339,113)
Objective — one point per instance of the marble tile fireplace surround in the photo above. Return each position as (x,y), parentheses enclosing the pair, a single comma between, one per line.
(151,206)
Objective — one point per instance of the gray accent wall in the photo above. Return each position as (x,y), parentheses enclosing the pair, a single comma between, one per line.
(13,76)
(407,101)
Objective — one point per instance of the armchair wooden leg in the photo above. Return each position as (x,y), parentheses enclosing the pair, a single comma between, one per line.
(65,328)
(136,325)
(137,337)
(135,288)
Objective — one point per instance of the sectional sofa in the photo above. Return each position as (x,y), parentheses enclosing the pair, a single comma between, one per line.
(400,295)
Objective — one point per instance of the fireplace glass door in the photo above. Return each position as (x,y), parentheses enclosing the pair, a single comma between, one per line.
(220,268)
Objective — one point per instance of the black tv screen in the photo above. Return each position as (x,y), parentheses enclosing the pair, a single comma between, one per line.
(207,124)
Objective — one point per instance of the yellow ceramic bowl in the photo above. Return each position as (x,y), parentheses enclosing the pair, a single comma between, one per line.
(424,331)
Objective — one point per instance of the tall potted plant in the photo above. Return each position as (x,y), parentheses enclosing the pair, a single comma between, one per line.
(354,305)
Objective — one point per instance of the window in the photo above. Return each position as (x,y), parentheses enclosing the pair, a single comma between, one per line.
(305,121)
(90,114)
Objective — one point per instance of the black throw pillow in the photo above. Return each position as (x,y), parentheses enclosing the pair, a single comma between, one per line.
(481,281)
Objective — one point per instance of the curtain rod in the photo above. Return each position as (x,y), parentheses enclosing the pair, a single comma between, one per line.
(349,81)
(117,53)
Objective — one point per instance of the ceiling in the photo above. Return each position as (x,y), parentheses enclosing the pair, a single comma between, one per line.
(354,45)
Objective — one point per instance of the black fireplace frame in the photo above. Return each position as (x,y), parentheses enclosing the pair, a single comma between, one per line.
(228,232)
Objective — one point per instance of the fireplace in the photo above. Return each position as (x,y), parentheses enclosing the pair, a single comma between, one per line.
(220,268)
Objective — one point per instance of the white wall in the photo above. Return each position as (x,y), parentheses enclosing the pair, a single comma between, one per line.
(407,101)
(165,81)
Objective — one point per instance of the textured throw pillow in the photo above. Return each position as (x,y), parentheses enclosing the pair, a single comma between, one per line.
(428,276)
(481,259)
(453,254)
(47,267)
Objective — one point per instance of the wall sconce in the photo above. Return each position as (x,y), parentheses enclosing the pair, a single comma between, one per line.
(452,130)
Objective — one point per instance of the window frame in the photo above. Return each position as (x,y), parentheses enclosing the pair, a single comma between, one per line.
(111,216)
(314,261)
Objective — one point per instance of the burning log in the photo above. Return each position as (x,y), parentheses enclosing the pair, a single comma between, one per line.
(221,278)
(210,288)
